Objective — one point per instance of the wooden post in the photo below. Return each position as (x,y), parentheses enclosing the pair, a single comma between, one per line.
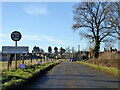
(8,61)
(44,58)
(36,57)
(41,57)
(15,61)
(22,60)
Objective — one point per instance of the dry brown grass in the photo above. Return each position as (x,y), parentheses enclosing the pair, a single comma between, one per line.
(107,59)
(26,62)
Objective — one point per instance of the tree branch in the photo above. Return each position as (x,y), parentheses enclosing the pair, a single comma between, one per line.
(105,28)
(104,36)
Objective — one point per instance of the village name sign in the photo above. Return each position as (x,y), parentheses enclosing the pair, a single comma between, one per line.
(15,36)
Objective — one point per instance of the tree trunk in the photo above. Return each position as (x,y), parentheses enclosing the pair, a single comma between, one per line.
(44,58)
(97,47)
(61,56)
(41,58)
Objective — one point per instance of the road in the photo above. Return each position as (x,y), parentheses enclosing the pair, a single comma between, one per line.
(74,75)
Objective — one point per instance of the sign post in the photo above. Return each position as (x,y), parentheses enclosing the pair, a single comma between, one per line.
(15,57)
(16,36)
(22,60)
(8,61)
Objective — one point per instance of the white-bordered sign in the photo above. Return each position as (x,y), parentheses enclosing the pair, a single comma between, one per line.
(22,65)
(14,50)
(16,36)
(40,62)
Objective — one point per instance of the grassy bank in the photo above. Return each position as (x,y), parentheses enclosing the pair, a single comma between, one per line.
(112,71)
(15,78)
(61,59)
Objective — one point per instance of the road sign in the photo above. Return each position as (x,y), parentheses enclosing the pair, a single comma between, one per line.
(14,50)
(40,62)
(22,65)
(16,36)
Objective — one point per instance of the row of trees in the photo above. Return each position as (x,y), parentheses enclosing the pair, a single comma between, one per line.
(98,22)
(62,50)
(39,50)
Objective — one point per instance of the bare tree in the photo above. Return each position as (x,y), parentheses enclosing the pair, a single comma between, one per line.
(68,49)
(114,20)
(91,18)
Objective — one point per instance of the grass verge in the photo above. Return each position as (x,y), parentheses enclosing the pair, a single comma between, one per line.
(27,62)
(16,78)
(61,59)
(112,71)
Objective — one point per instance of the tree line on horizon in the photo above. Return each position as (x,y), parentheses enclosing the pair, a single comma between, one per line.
(40,50)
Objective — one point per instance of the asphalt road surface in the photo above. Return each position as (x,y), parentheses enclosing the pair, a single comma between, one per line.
(74,75)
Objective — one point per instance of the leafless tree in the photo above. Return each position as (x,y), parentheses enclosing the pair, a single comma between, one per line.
(91,19)
(114,19)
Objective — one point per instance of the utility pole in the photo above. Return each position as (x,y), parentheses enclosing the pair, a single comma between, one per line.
(72,52)
(78,48)
(79,52)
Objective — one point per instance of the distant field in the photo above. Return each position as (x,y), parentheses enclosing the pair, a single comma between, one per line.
(26,62)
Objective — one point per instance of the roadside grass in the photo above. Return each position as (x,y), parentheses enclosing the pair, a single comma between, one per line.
(61,59)
(17,77)
(112,71)
(26,62)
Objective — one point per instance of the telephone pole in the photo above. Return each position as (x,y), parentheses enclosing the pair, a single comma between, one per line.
(72,52)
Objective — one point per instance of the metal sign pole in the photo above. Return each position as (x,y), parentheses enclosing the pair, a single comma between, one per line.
(15,57)
(72,52)
(16,43)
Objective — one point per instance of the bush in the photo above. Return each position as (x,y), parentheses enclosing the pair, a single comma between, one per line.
(107,59)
